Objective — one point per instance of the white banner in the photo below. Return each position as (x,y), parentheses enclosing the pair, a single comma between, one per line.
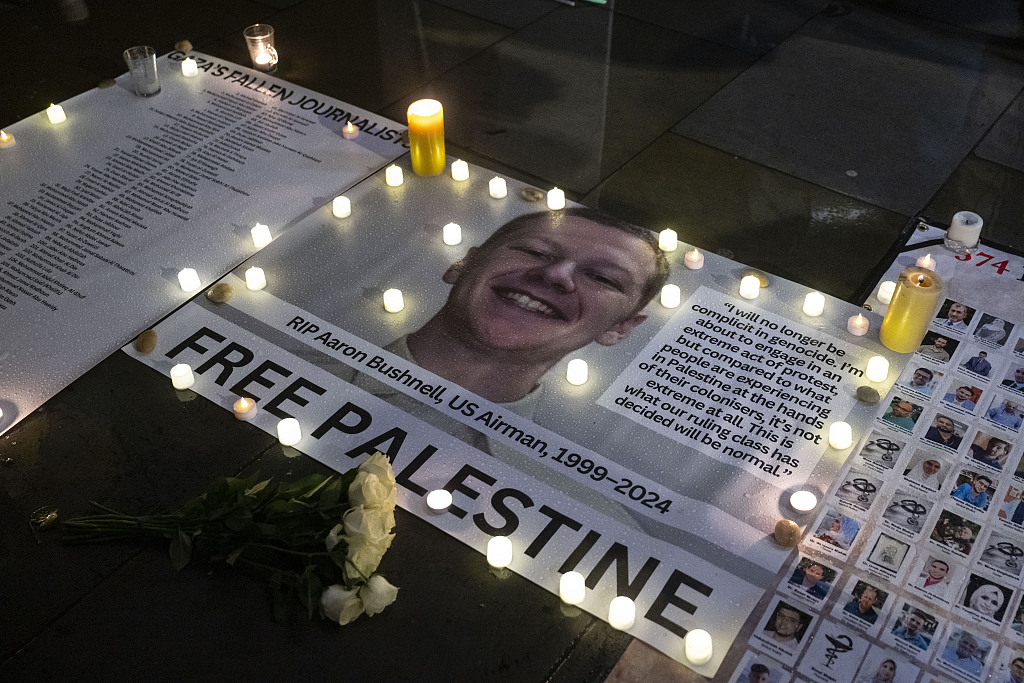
(102,211)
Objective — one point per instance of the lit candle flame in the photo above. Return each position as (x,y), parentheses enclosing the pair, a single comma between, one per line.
(243,404)
(3,135)
(349,127)
(860,320)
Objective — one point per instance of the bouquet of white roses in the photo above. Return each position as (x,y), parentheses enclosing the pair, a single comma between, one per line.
(320,531)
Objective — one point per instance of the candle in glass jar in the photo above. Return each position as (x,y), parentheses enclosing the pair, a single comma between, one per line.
(426,137)
(965,228)
(918,292)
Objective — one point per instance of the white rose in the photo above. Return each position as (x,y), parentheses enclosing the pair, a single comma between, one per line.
(366,525)
(333,537)
(368,490)
(379,464)
(341,605)
(365,557)
(377,594)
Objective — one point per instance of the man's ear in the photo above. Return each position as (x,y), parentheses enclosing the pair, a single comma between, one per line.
(454,272)
(621,331)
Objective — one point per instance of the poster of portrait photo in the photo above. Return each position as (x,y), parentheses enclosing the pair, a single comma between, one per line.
(1008,667)
(885,555)
(907,512)
(833,655)
(810,581)
(863,605)
(912,631)
(756,667)
(834,533)
(964,654)
(985,600)
(977,361)
(882,665)
(933,577)
(783,631)
(927,469)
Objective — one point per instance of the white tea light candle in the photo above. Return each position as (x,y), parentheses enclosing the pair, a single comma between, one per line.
(697,646)
(572,588)
(878,369)
(182,377)
(497,188)
(349,132)
(840,436)
(694,260)
(188,278)
(803,501)
(393,300)
(289,432)
(814,304)
(671,297)
(439,500)
(965,228)
(857,325)
(885,291)
(668,240)
(451,234)
(189,68)
(460,170)
(244,409)
(341,207)
(6,140)
(750,287)
(261,235)
(56,114)
(621,613)
(556,199)
(393,176)
(926,261)
(576,372)
(255,279)
(499,552)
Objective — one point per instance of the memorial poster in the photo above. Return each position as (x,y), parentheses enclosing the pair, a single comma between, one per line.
(680,450)
(925,521)
(102,211)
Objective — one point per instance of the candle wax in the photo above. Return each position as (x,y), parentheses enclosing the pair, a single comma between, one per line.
(426,137)
(918,291)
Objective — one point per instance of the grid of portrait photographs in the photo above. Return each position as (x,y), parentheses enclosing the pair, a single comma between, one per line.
(913,567)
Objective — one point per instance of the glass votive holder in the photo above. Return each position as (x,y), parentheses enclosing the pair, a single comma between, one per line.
(260,40)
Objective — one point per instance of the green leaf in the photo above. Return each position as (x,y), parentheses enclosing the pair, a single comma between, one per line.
(256,488)
(233,555)
(238,519)
(180,550)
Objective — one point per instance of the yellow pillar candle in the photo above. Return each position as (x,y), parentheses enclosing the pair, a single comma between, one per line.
(918,291)
(426,137)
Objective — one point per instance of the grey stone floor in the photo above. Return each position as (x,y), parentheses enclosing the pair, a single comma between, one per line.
(799,136)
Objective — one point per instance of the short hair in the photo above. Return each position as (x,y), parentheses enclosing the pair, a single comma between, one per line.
(653,284)
(919,614)
(926,371)
(984,477)
(942,562)
(965,387)
(759,668)
(983,353)
(1017,659)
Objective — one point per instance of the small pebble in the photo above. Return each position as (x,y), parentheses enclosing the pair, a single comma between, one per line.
(531,194)
(146,342)
(869,395)
(787,533)
(106,83)
(183,46)
(761,277)
(220,292)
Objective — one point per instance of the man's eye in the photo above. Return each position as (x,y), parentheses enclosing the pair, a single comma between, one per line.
(531,251)
(605,280)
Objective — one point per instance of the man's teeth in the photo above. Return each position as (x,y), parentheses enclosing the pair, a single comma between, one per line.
(530,304)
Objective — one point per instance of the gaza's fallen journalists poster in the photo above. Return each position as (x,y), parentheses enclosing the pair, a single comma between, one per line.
(695,423)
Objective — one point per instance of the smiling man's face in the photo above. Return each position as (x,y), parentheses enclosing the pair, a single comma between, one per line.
(549,288)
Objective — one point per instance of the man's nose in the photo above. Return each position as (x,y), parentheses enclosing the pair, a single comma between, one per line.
(560,274)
